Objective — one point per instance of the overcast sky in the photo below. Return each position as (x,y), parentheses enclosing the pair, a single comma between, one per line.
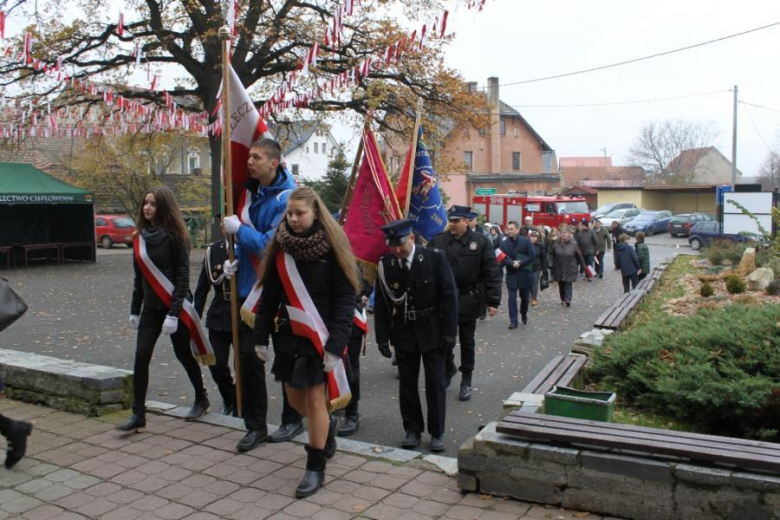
(517,40)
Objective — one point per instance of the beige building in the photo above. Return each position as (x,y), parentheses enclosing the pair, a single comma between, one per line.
(677,198)
(702,165)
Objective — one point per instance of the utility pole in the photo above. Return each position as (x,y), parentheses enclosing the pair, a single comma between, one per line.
(734,143)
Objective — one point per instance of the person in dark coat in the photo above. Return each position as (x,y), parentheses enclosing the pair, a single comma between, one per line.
(615,231)
(588,242)
(605,244)
(416,310)
(518,262)
(540,263)
(355,348)
(317,247)
(566,261)
(628,263)
(643,253)
(473,261)
(164,234)
(215,273)
(495,237)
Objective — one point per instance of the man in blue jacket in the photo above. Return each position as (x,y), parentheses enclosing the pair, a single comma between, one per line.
(268,188)
(519,264)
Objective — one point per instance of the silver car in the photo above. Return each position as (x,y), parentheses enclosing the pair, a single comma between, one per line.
(621,216)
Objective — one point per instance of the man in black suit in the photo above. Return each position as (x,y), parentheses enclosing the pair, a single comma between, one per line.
(519,263)
(416,309)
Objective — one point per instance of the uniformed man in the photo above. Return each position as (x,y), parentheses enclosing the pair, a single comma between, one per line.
(416,309)
(473,262)
(215,273)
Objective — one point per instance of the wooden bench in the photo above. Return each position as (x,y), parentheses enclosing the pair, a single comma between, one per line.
(747,454)
(560,371)
(6,250)
(56,246)
(614,316)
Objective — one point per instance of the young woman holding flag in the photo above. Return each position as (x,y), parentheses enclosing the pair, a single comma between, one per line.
(310,282)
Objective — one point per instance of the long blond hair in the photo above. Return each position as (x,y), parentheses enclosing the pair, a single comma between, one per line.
(335,236)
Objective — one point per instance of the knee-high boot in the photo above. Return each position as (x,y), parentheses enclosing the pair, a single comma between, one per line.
(315,473)
(136,422)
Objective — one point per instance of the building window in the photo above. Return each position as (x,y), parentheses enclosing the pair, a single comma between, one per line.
(324,148)
(307,148)
(516,163)
(482,132)
(502,126)
(193,160)
(295,170)
(163,161)
(468,159)
(316,147)
(517,132)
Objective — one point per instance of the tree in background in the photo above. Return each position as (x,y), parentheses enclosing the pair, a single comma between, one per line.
(769,173)
(333,186)
(660,145)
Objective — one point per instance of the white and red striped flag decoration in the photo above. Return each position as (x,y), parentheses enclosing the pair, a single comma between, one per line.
(2,25)
(120,26)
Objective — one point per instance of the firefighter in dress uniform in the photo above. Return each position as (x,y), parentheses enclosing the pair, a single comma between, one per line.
(416,310)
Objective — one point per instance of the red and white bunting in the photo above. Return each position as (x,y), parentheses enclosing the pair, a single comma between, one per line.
(120,26)
(2,25)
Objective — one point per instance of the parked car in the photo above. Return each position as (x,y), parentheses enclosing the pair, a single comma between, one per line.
(114,229)
(621,216)
(680,225)
(703,234)
(649,222)
(609,208)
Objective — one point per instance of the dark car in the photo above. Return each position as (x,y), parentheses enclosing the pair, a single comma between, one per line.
(680,225)
(703,234)
(114,229)
(649,222)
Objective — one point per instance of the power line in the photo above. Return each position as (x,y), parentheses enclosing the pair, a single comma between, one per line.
(755,127)
(612,103)
(759,106)
(635,60)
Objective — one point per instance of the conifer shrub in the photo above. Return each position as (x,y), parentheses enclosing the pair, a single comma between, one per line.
(718,369)
(735,284)
(773,289)
(706,290)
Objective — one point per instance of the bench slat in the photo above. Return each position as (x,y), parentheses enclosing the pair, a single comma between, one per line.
(539,378)
(571,373)
(552,378)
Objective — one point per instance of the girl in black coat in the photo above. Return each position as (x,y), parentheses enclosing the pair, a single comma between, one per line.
(162,227)
(327,269)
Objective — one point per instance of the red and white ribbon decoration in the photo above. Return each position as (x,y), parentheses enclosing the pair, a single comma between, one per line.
(2,25)
(120,26)
(306,321)
(252,302)
(500,255)
(163,288)
(360,320)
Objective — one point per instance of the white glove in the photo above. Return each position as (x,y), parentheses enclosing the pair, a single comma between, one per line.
(230,268)
(262,352)
(170,325)
(231,224)
(330,361)
(134,320)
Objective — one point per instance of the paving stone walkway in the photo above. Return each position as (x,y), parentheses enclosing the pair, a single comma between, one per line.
(79,467)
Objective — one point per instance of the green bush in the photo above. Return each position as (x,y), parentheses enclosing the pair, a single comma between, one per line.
(773,289)
(706,290)
(735,284)
(718,370)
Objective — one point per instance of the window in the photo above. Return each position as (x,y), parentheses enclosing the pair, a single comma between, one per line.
(193,160)
(163,161)
(295,170)
(307,148)
(468,159)
(516,161)
(100,222)
(517,132)
(482,132)
(316,147)
(324,148)
(502,126)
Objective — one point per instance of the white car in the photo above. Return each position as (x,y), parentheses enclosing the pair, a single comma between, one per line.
(621,216)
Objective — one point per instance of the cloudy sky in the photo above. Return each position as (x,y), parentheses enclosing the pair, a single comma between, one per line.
(519,40)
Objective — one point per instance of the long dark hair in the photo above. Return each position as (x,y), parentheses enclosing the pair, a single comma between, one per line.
(167,216)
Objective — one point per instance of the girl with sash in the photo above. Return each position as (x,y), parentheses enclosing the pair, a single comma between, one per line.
(161,287)
(310,282)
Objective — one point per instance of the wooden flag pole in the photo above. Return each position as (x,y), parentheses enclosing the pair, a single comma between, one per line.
(227,173)
(412,158)
(351,183)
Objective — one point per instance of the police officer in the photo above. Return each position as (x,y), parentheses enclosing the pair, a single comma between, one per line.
(416,309)
(473,262)
(215,273)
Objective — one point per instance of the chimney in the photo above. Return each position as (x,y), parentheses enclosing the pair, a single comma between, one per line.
(495,125)
(471,86)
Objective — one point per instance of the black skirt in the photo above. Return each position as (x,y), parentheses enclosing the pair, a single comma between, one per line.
(299,371)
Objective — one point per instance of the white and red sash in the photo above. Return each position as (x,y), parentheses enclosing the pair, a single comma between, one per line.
(252,302)
(500,255)
(306,321)
(360,320)
(163,288)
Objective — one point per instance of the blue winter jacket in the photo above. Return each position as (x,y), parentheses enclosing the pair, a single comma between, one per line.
(626,259)
(266,211)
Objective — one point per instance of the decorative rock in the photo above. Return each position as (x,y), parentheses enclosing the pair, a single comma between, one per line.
(760,279)
(748,263)
(590,341)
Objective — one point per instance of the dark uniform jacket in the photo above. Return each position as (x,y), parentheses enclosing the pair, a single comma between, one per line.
(173,260)
(429,315)
(212,274)
(473,262)
(521,249)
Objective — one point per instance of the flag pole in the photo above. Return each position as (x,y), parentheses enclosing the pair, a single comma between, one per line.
(227,173)
(412,157)
(351,183)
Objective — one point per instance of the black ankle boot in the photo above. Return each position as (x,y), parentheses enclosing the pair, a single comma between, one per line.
(198,409)
(315,473)
(330,442)
(17,442)
(136,422)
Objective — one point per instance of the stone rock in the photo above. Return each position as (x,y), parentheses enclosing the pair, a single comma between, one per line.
(748,263)
(589,341)
(760,279)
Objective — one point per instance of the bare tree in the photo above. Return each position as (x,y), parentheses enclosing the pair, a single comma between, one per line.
(769,174)
(669,150)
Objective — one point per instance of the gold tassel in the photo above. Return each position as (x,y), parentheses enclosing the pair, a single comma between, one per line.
(341,402)
(206,360)
(248,317)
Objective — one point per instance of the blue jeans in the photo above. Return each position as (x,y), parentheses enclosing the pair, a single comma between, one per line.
(525,296)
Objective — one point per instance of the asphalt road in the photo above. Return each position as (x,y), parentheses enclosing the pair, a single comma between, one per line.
(80,311)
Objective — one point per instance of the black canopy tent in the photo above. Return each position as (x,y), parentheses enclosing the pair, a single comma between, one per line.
(40,214)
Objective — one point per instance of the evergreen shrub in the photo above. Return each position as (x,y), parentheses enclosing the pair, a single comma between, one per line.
(706,290)
(773,289)
(718,370)
(735,284)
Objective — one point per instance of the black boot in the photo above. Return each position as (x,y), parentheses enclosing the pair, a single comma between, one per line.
(137,422)
(315,473)
(465,388)
(17,442)
(330,442)
(198,409)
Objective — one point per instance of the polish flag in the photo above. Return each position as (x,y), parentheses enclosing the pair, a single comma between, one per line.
(500,255)
(120,26)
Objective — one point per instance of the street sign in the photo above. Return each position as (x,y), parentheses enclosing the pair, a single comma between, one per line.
(485,191)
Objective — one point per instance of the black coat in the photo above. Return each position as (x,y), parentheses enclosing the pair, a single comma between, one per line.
(430,289)
(540,260)
(626,259)
(173,260)
(567,260)
(589,244)
(473,263)
(218,317)
(521,249)
(333,296)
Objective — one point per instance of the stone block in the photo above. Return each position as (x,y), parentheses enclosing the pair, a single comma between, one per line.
(622,504)
(748,262)
(715,501)
(518,399)
(635,467)
(703,475)
(490,442)
(545,452)
(760,279)
(516,467)
(617,484)
(756,481)
(520,489)
(111,380)
(467,482)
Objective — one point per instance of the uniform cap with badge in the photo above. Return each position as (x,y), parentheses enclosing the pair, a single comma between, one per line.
(459,212)
(397,232)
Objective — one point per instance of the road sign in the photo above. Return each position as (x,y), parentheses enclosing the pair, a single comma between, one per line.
(485,191)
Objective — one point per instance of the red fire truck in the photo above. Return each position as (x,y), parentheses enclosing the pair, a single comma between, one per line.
(548,210)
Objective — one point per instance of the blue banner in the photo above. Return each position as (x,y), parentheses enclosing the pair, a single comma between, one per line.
(425,205)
